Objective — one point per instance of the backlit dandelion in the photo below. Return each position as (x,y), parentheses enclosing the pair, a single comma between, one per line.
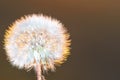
(37,41)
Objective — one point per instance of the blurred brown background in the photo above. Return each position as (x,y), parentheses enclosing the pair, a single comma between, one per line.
(94,26)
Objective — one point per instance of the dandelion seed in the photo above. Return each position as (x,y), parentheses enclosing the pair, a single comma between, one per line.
(37,41)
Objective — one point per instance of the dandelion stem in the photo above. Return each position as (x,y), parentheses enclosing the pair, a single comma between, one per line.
(38,71)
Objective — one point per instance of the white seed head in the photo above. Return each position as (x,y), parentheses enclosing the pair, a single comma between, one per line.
(36,39)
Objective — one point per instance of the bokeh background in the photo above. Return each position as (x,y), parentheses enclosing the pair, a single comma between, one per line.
(94,26)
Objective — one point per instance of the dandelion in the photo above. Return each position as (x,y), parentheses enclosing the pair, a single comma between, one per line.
(37,41)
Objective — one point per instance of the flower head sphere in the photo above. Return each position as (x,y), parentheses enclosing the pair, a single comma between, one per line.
(37,40)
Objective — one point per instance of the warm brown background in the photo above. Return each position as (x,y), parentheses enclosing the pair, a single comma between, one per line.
(94,26)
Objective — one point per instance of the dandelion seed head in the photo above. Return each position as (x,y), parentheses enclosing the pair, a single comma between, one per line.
(37,39)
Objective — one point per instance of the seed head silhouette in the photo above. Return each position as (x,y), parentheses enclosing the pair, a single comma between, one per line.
(37,41)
